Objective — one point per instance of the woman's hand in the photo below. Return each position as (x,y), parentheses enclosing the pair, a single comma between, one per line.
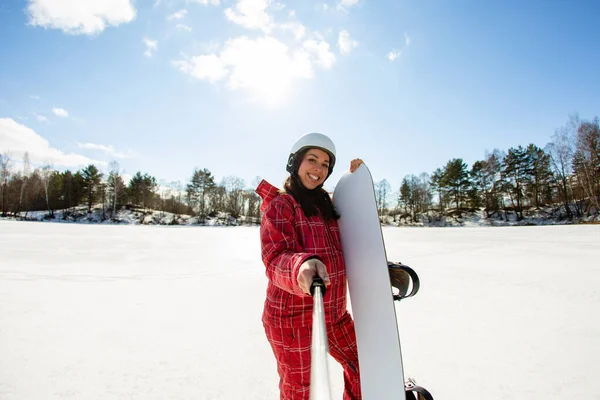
(308,270)
(354,164)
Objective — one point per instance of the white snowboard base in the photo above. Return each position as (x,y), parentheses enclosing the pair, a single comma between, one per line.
(379,353)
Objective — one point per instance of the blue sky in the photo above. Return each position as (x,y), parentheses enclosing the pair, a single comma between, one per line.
(166,86)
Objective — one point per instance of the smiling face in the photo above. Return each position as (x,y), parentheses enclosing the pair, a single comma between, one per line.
(314,168)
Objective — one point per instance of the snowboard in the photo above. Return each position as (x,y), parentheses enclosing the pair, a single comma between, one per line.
(371,297)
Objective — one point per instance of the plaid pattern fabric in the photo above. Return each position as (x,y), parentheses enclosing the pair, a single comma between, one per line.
(288,238)
(291,347)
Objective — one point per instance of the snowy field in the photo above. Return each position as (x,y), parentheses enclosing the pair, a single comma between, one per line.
(143,312)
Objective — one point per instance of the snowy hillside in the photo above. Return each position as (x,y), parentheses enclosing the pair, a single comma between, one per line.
(432,218)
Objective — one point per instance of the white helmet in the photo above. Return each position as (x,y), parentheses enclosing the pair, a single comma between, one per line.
(312,141)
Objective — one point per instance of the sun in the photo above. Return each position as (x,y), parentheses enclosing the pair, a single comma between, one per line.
(265,67)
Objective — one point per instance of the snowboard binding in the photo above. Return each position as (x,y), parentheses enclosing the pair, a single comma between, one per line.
(415,392)
(403,278)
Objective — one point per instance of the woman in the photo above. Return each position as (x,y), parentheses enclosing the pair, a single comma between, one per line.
(300,239)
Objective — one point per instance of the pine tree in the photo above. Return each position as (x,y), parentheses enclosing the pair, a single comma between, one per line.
(516,173)
(142,189)
(201,183)
(436,183)
(405,195)
(72,190)
(456,180)
(91,184)
(541,174)
(480,185)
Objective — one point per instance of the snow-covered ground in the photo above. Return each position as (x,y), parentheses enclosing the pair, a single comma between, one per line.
(156,312)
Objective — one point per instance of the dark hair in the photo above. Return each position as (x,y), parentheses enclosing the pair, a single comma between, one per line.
(313,201)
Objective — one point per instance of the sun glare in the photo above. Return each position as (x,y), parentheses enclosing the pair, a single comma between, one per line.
(264,67)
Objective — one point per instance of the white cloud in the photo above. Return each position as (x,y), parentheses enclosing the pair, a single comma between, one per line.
(348,3)
(392,55)
(345,5)
(251,14)
(320,50)
(178,15)
(61,112)
(345,43)
(206,2)
(106,149)
(205,67)
(297,29)
(18,139)
(87,17)
(183,27)
(265,66)
(322,7)
(34,97)
(151,46)
(40,118)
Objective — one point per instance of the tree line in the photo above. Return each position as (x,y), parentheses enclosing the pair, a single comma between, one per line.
(565,174)
(44,188)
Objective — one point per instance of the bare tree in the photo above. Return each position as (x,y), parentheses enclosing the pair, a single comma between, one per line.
(234,188)
(5,166)
(561,154)
(586,163)
(46,174)
(425,196)
(176,197)
(115,185)
(493,169)
(253,203)
(24,181)
(382,191)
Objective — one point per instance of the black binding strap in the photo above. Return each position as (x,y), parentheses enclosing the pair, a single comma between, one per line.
(415,392)
(401,277)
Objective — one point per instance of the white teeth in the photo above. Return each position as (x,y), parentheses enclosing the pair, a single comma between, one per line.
(313,177)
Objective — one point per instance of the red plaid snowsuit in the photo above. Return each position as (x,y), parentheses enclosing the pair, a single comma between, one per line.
(288,238)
